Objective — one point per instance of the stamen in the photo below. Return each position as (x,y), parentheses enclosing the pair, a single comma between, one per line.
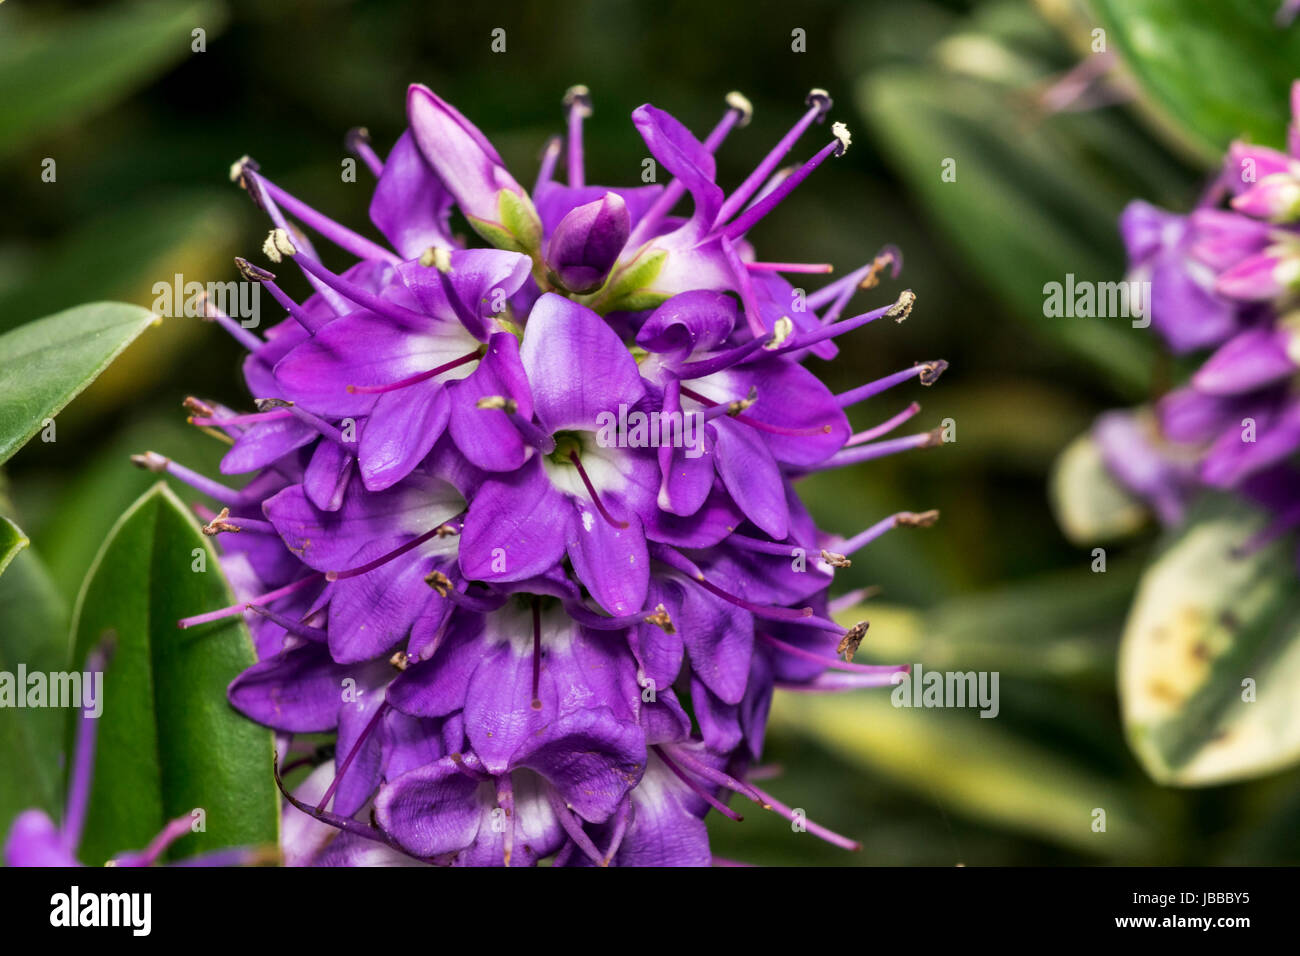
(874,450)
(243,606)
(257,274)
(577,100)
(357,142)
(317,635)
(371,724)
(901,306)
(832,662)
(152,461)
(572,827)
(588,618)
(591,490)
(240,334)
(698,790)
(537,653)
(750,217)
(222,522)
(716,777)
(419,376)
(811,268)
(867,277)
(906,519)
(341,822)
(251,418)
(362,297)
(335,232)
(260,196)
(885,427)
(819,104)
(383,558)
(928,372)
(830,836)
(550,155)
(83,755)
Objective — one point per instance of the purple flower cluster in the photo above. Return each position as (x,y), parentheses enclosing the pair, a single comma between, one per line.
(1223,278)
(522,527)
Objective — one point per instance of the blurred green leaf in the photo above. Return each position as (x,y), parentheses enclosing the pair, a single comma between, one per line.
(1024,207)
(48,362)
(983,770)
(12,540)
(122,254)
(1220,70)
(1061,626)
(33,632)
(169,742)
(1091,506)
(62,70)
(1205,621)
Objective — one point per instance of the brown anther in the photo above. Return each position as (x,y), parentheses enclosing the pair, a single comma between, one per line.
(878,264)
(198,407)
(930,371)
(835,559)
(903,307)
(916,519)
(151,461)
(400,660)
(852,638)
(661,618)
(439,582)
(268,404)
(220,524)
(445,531)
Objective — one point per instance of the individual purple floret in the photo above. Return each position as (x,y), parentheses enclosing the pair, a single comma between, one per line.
(522,529)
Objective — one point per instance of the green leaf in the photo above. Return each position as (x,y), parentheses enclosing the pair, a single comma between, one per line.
(48,362)
(976,766)
(12,540)
(1208,625)
(1090,505)
(1217,70)
(63,69)
(1060,626)
(169,743)
(33,632)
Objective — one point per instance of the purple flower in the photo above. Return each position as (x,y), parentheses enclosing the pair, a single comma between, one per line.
(522,531)
(1224,279)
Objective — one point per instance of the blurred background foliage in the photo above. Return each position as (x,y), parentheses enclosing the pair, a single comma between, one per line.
(143,131)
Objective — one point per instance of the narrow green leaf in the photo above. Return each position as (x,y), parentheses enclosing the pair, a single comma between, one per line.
(12,540)
(1219,70)
(46,364)
(1210,658)
(169,742)
(34,633)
